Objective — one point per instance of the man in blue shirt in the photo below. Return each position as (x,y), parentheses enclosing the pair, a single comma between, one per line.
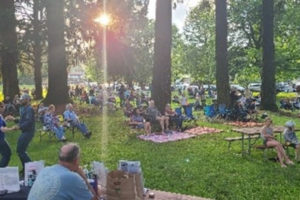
(63,181)
(71,117)
(27,126)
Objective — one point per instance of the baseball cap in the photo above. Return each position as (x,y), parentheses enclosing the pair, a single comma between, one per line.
(25,97)
(290,124)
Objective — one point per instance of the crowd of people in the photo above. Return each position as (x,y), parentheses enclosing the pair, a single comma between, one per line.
(22,113)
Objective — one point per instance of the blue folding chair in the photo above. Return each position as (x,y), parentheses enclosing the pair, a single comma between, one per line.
(222,111)
(178,111)
(189,112)
(209,111)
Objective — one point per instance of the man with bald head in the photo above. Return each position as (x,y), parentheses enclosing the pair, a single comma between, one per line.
(63,181)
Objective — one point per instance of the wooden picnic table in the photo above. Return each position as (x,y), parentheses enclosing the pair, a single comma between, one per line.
(248,133)
(160,195)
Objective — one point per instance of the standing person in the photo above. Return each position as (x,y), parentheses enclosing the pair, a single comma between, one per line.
(27,127)
(121,95)
(4,146)
(184,102)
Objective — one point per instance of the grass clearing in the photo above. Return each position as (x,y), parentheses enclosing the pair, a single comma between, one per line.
(201,166)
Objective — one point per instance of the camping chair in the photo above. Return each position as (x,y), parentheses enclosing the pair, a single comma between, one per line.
(67,124)
(189,112)
(178,111)
(209,112)
(222,111)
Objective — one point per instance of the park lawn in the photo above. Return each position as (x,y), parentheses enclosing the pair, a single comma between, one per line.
(201,166)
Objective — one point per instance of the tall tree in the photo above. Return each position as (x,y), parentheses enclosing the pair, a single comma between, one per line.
(161,82)
(57,65)
(8,48)
(37,48)
(268,94)
(222,76)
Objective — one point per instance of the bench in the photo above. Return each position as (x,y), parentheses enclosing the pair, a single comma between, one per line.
(232,139)
(287,145)
(264,148)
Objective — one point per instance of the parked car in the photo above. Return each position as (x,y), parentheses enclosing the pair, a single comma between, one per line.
(212,87)
(254,87)
(237,87)
(284,87)
(181,85)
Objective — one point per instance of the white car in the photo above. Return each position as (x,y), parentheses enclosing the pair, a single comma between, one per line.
(237,87)
(254,87)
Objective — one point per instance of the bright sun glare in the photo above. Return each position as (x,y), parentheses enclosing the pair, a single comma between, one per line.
(103,19)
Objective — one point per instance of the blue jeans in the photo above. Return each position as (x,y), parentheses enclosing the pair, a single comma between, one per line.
(5,152)
(82,127)
(59,132)
(22,145)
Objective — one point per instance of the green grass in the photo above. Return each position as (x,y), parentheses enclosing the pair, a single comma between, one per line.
(201,166)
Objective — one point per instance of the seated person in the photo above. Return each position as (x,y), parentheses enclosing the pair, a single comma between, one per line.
(173,117)
(153,114)
(42,111)
(10,108)
(51,122)
(84,97)
(269,141)
(286,104)
(128,108)
(71,117)
(291,138)
(239,112)
(144,100)
(65,180)
(296,103)
(176,99)
(137,120)
(111,103)
(251,107)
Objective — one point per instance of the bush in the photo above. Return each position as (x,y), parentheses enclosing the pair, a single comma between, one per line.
(286,95)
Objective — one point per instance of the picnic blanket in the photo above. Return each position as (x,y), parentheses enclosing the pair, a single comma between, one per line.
(162,138)
(202,130)
(245,124)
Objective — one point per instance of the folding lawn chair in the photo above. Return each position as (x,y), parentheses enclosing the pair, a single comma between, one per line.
(189,112)
(209,112)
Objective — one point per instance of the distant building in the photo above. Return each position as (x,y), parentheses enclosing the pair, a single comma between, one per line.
(76,75)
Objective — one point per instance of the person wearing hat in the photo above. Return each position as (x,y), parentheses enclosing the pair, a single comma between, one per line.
(291,138)
(26,124)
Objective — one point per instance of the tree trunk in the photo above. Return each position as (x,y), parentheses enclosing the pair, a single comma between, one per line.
(57,65)
(222,75)
(37,49)
(268,91)
(9,53)
(161,83)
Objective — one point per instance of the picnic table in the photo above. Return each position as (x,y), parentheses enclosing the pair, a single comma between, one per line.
(253,133)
